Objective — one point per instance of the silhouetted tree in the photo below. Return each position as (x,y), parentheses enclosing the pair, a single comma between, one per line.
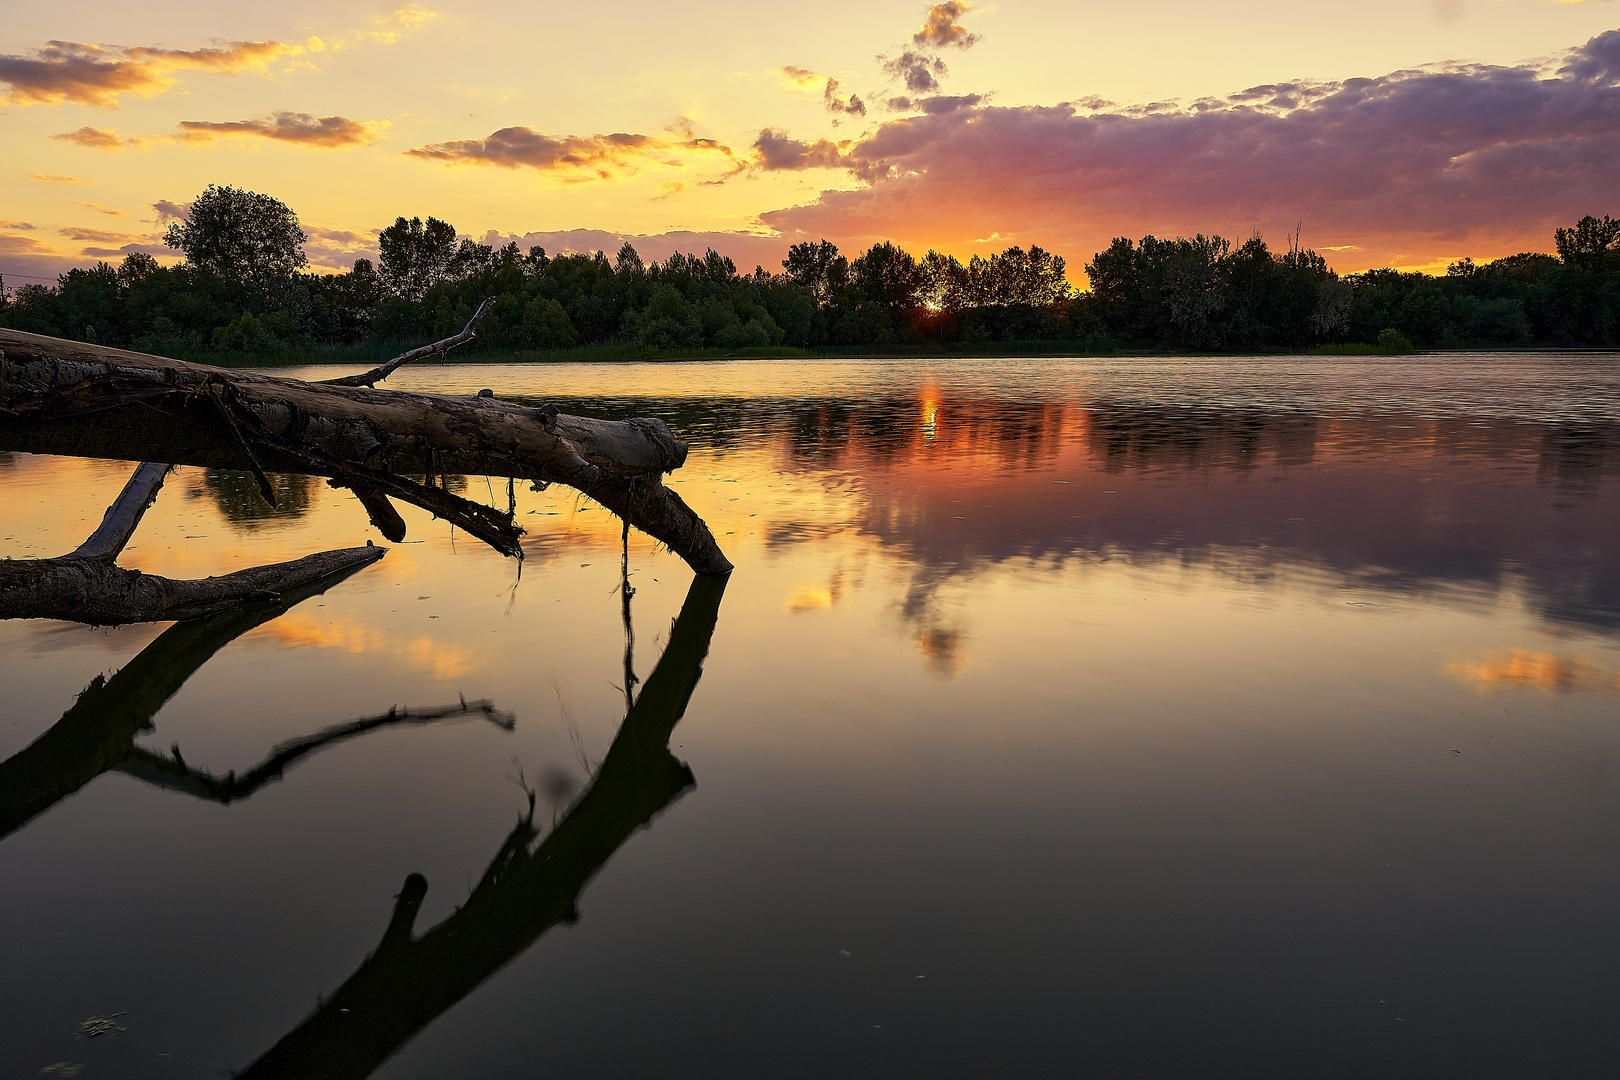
(817,267)
(240,236)
(413,256)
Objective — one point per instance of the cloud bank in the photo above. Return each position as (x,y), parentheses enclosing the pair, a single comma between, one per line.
(1414,164)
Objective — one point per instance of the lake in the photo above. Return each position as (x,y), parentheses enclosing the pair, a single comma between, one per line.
(1125,717)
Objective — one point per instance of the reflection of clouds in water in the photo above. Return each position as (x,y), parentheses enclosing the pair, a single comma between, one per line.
(1526,669)
(943,649)
(811,597)
(295,630)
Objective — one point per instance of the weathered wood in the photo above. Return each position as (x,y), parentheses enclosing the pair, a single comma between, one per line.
(67,397)
(119,523)
(95,591)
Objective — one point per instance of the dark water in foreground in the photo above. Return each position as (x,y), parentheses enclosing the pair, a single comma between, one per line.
(1131,718)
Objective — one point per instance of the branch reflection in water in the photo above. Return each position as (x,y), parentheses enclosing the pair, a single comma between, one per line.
(528,888)
(97,735)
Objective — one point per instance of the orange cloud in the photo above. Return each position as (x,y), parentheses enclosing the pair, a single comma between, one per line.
(102,209)
(940,28)
(1524,668)
(92,138)
(394,26)
(302,128)
(56,178)
(80,73)
(98,236)
(798,78)
(21,245)
(603,155)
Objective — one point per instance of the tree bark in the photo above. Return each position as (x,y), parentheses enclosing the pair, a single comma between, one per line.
(72,398)
(119,523)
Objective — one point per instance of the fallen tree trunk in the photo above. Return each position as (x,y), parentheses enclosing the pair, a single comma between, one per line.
(72,398)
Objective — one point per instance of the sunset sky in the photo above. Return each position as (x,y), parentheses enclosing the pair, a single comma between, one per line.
(1393,133)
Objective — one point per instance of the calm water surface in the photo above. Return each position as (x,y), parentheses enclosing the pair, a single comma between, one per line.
(1158,718)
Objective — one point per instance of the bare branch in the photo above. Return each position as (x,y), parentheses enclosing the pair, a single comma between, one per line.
(378,374)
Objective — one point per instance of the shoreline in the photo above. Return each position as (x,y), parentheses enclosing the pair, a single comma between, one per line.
(634,354)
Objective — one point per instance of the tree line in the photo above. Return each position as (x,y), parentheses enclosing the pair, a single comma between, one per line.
(245,286)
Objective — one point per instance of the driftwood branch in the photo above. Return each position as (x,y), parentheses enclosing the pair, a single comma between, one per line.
(528,888)
(125,513)
(378,374)
(64,397)
(97,592)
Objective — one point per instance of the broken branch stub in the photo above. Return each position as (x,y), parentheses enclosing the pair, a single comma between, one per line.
(72,398)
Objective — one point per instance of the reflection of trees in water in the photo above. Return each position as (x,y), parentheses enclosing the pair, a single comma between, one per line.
(236,493)
(1394,528)
(1144,436)
(7,459)
(941,640)
(1576,457)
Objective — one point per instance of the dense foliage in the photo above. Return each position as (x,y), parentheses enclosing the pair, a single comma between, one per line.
(242,288)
